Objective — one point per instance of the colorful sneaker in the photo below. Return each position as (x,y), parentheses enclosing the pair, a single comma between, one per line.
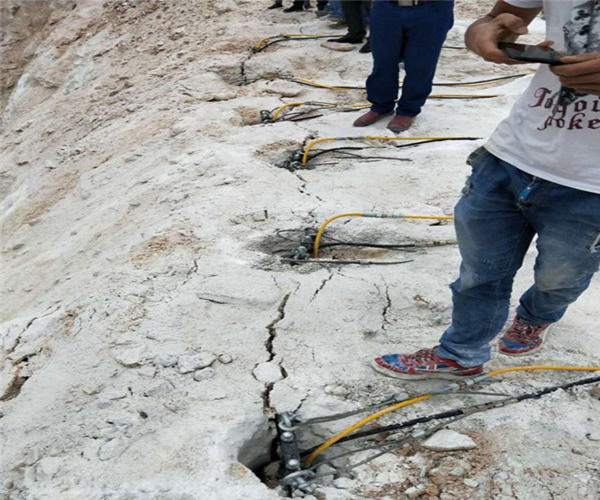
(522,338)
(421,365)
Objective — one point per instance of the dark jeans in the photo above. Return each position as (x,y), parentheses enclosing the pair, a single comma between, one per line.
(354,12)
(500,212)
(414,35)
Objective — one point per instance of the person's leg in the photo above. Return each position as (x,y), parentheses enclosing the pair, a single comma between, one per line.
(336,9)
(321,4)
(567,221)
(426,28)
(493,237)
(387,44)
(297,5)
(353,10)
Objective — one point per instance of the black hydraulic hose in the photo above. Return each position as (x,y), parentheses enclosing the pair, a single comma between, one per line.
(457,412)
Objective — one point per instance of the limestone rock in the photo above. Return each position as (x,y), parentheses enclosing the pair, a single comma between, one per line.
(225,359)
(131,356)
(204,374)
(268,373)
(343,483)
(471,483)
(192,362)
(339,47)
(449,440)
(593,436)
(165,361)
(415,491)
(111,449)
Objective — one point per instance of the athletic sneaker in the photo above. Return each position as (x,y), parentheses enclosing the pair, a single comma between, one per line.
(522,338)
(421,365)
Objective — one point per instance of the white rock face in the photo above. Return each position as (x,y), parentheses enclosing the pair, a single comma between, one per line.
(449,440)
(142,209)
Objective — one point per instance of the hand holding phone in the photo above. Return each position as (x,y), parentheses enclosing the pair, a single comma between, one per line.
(531,53)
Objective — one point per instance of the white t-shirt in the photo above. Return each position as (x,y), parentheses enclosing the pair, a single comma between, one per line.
(556,142)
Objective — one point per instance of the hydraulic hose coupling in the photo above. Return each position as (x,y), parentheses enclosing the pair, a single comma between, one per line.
(265,116)
(296,163)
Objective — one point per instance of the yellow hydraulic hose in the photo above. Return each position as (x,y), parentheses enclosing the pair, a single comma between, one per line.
(330,442)
(312,144)
(326,105)
(321,230)
(323,85)
(488,83)
(262,41)
(277,113)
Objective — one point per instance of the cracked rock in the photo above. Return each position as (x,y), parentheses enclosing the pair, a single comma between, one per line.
(593,436)
(268,372)
(415,491)
(449,440)
(191,362)
(336,390)
(204,374)
(48,467)
(165,361)
(161,388)
(225,359)
(130,357)
(338,47)
(343,483)
(112,394)
(111,449)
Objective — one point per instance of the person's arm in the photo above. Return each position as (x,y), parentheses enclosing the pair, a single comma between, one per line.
(505,23)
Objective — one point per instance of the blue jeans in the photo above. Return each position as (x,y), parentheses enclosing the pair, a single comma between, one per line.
(414,35)
(501,210)
(336,8)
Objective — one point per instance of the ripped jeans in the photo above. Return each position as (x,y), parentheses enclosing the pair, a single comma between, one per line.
(500,212)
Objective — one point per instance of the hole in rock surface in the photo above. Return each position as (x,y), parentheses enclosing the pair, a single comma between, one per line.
(259,454)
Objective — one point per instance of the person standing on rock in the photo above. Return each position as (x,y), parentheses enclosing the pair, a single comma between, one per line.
(409,31)
(538,175)
(355,12)
(297,5)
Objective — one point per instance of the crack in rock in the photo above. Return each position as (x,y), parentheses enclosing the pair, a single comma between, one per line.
(385,322)
(322,285)
(272,335)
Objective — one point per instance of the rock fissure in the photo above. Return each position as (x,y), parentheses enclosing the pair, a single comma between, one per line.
(386,307)
(272,335)
(322,285)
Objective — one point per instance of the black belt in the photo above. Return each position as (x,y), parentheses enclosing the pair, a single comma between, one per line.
(412,3)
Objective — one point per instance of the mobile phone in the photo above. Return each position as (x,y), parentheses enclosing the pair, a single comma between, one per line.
(531,53)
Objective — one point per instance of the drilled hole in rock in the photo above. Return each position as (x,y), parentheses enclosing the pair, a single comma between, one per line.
(230,73)
(259,454)
(279,153)
(298,244)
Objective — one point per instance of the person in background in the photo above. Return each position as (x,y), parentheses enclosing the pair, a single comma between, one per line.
(355,12)
(538,175)
(297,5)
(409,31)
